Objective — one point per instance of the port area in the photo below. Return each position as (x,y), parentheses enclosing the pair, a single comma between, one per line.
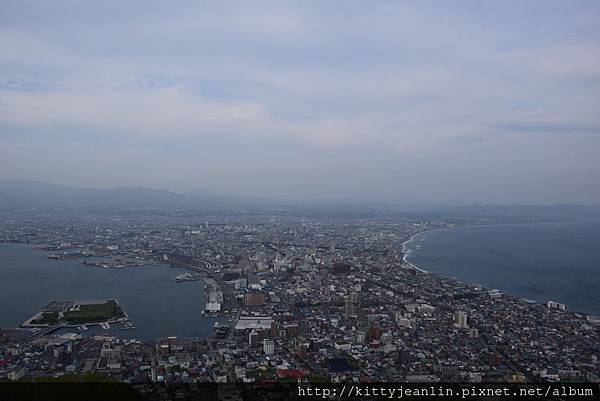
(220,300)
(188,277)
(79,313)
(117,263)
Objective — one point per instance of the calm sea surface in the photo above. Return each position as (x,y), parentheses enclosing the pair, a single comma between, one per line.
(545,261)
(155,303)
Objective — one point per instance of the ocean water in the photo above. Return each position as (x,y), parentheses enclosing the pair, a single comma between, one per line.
(154,301)
(543,261)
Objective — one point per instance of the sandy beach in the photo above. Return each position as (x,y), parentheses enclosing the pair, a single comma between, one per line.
(404,251)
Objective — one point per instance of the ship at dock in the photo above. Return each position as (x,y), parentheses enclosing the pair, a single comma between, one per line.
(127,325)
(186,277)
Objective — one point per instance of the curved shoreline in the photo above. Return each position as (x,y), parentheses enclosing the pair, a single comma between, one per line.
(431,230)
(543,300)
(411,239)
(405,254)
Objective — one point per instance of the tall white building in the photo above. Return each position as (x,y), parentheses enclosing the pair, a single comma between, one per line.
(556,305)
(460,319)
(268,346)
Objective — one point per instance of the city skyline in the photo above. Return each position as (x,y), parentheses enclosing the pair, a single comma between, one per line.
(286,199)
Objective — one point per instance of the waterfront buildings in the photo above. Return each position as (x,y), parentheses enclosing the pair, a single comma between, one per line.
(324,297)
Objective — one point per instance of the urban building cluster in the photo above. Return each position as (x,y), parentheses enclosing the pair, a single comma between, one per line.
(299,298)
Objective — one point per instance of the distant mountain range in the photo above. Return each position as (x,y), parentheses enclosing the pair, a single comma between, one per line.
(31,196)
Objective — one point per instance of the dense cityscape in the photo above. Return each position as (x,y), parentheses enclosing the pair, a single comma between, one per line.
(295,200)
(293,298)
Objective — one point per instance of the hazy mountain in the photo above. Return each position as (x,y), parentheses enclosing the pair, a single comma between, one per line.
(30,195)
(23,195)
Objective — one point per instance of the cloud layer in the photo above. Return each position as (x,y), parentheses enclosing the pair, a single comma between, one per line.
(493,102)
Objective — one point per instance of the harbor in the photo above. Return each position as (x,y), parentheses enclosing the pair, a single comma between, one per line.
(154,302)
(187,277)
(78,313)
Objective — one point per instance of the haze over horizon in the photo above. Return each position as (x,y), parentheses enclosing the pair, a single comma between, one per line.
(475,101)
(22,187)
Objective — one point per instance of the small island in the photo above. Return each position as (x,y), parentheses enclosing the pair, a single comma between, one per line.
(78,312)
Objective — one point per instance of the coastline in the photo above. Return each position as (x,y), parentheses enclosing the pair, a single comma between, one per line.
(431,230)
(405,247)
(141,293)
(543,299)
(405,262)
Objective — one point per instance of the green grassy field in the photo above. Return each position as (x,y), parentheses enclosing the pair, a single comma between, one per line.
(94,313)
(47,318)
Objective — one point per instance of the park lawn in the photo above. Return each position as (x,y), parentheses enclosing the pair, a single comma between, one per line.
(47,318)
(94,313)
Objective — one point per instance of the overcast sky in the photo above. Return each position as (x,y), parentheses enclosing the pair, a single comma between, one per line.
(435,100)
